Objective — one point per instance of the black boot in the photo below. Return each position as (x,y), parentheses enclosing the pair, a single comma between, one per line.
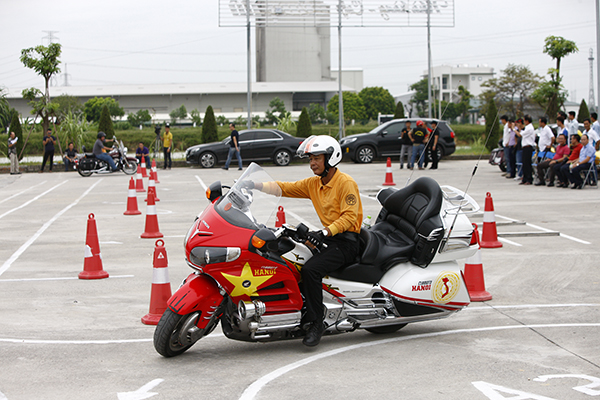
(313,336)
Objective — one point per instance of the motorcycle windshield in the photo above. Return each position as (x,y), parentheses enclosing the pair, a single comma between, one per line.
(247,207)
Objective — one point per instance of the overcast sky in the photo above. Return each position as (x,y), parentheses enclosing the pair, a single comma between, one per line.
(176,41)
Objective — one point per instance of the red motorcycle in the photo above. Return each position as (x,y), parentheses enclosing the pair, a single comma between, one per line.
(247,275)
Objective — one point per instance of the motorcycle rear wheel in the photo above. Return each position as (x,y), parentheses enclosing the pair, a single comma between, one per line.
(84,172)
(129,167)
(386,329)
(166,335)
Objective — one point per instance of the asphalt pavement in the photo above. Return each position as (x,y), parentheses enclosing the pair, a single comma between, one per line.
(66,338)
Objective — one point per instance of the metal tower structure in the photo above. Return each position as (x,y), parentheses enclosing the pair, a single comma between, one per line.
(591,100)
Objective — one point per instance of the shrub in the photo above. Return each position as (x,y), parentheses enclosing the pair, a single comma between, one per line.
(376,100)
(304,128)
(584,112)
(399,113)
(105,124)
(209,128)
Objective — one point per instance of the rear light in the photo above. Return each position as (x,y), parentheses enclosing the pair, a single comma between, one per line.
(452,134)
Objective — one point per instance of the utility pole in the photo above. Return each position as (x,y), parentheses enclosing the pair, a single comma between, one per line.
(429,59)
(248,66)
(66,76)
(340,96)
(591,100)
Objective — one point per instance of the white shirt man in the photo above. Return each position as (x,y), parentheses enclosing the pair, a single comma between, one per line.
(590,132)
(572,125)
(546,136)
(528,136)
(506,133)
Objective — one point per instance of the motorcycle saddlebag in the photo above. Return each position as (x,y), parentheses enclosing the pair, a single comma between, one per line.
(87,163)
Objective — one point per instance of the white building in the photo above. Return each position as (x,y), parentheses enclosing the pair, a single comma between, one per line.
(447,78)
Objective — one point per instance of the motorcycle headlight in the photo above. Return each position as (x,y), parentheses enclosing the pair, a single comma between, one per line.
(211,255)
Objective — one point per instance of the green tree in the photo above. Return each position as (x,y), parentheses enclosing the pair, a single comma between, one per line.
(354,109)
(557,47)
(195,115)
(584,112)
(178,113)
(43,60)
(275,106)
(15,126)
(377,100)
(139,118)
(209,127)
(316,112)
(492,125)
(463,106)
(105,123)
(399,113)
(5,114)
(513,88)
(73,129)
(221,120)
(419,99)
(545,93)
(304,128)
(93,108)
(67,104)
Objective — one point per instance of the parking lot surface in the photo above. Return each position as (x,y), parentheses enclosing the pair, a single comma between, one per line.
(66,338)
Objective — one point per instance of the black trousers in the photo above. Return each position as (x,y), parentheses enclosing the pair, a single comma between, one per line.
(527,169)
(340,251)
(48,155)
(167,157)
(434,157)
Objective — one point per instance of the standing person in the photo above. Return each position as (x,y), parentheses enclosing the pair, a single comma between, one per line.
(417,137)
(595,126)
(510,149)
(167,140)
(49,142)
(406,148)
(527,143)
(590,132)
(99,149)
(336,200)
(572,125)
(434,136)
(70,156)
(234,147)
(12,154)
(505,139)
(546,136)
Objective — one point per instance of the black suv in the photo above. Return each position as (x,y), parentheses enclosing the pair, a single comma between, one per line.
(384,141)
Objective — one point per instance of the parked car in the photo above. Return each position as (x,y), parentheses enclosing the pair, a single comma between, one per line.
(384,141)
(255,145)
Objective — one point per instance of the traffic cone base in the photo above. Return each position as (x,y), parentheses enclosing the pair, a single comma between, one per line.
(389,179)
(161,286)
(489,234)
(474,274)
(92,261)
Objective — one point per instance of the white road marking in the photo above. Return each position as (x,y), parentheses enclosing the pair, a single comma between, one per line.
(252,390)
(7,264)
(491,308)
(310,226)
(142,393)
(504,240)
(65,278)
(17,194)
(34,199)
(365,196)
(546,230)
(587,389)
(201,182)
(2,396)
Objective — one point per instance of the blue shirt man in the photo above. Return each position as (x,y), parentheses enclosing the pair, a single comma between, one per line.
(587,155)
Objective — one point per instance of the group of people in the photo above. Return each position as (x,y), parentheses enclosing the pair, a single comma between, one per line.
(417,142)
(142,152)
(564,156)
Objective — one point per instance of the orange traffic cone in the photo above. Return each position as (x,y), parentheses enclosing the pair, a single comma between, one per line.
(152,188)
(132,207)
(474,273)
(389,179)
(144,173)
(92,262)
(154,170)
(489,234)
(151,230)
(161,286)
(280,218)
(139,182)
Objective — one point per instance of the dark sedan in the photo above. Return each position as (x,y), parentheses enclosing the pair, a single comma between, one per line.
(255,145)
(384,141)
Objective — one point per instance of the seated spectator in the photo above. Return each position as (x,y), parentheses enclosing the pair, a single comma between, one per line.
(587,156)
(142,151)
(563,172)
(560,156)
(70,157)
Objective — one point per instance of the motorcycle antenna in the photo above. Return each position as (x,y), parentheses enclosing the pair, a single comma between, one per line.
(489,134)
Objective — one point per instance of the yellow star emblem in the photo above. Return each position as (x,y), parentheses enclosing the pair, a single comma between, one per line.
(246,283)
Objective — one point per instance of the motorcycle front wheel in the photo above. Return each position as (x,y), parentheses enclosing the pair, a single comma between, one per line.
(129,167)
(168,333)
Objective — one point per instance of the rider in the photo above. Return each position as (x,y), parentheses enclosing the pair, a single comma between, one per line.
(98,151)
(336,200)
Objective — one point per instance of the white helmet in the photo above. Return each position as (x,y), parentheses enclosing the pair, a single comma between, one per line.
(323,144)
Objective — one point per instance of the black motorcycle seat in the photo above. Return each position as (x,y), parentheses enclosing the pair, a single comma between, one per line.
(90,155)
